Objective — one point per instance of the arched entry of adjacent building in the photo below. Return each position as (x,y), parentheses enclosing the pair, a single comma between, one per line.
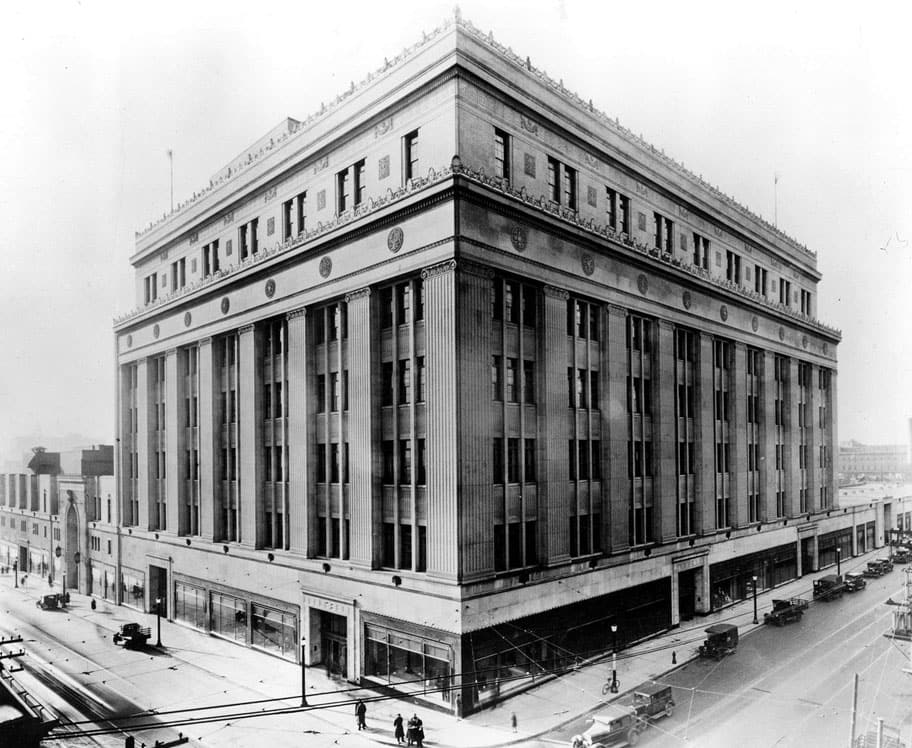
(72,548)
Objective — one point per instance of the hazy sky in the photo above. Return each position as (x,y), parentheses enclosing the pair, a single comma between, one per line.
(95,93)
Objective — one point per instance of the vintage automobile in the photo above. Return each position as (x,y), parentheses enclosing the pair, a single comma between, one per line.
(786,611)
(902,554)
(722,640)
(855,581)
(653,700)
(615,725)
(873,570)
(885,564)
(132,636)
(51,602)
(829,587)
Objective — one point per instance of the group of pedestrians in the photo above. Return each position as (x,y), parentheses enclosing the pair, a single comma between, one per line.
(413,731)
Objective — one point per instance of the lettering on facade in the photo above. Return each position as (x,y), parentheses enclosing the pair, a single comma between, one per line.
(330,606)
(383,127)
(383,167)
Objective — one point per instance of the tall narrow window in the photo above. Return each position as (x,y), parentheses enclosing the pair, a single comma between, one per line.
(501,154)
(410,155)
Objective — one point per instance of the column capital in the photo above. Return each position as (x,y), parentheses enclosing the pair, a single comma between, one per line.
(296,313)
(440,268)
(616,310)
(205,341)
(665,324)
(245,329)
(553,292)
(361,293)
(474,268)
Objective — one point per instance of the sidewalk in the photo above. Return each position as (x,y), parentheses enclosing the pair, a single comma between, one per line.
(249,674)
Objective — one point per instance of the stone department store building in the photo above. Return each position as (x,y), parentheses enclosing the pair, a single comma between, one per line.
(454,374)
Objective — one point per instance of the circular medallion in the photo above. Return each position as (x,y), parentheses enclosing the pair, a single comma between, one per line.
(781,333)
(155,331)
(588,263)
(826,347)
(226,305)
(394,239)
(270,288)
(755,324)
(326,266)
(188,318)
(519,237)
(804,341)
(723,312)
(642,283)
(129,340)
(686,299)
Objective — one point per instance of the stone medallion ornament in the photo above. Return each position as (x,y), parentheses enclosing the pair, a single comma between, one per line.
(270,288)
(723,312)
(394,239)
(826,347)
(755,324)
(804,341)
(129,341)
(326,266)
(781,333)
(642,283)
(226,305)
(686,299)
(188,318)
(588,263)
(519,237)
(155,331)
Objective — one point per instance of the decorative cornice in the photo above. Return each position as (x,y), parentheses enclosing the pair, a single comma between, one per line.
(244,329)
(552,292)
(441,268)
(361,293)
(296,314)
(616,309)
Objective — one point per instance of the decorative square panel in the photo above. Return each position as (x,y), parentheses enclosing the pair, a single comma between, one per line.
(228,247)
(321,199)
(529,164)
(270,226)
(641,221)
(383,167)
(591,196)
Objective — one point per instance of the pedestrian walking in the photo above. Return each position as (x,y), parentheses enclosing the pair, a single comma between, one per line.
(415,731)
(360,712)
(513,721)
(397,729)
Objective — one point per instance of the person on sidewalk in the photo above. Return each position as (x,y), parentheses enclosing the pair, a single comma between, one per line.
(416,731)
(360,712)
(399,733)
(513,721)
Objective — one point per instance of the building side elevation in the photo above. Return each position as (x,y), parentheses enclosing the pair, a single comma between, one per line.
(453,375)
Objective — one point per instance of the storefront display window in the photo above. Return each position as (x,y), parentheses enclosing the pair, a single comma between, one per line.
(228,616)
(190,604)
(274,630)
(133,588)
(395,658)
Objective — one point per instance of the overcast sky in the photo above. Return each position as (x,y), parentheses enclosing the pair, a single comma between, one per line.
(96,93)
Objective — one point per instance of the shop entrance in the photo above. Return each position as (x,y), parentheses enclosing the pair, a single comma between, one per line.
(687,593)
(158,589)
(334,643)
(807,555)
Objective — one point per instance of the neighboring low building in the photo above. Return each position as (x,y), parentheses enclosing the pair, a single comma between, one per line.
(874,461)
(54,519)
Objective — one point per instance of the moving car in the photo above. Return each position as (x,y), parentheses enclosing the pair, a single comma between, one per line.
(132,635)
(786,611)
(855,581)
(722,640)
(51,602)
(615,725)
(653,700)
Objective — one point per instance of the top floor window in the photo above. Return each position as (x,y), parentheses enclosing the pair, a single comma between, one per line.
(618,210)
(805,302)
(760,280)
(785,291)
(150,286)
(664,232)
(410,155)
(178,273)
(733,267)
(701,251)
(501,154)
(561,183)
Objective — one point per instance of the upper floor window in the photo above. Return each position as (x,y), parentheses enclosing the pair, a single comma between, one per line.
(664,232)
(618,210)
(150,287)
(294,210)
(211,258)
(785,291)
(501,154)
(733,267)
(760,280)
(561,183)
(805,302)
(350,187)
(701,251)
(179,273)
(410,155)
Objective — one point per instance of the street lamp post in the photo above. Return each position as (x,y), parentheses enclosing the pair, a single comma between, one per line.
(755,599)
(838,560)
(158,615)
(16,572)
(303,672)
(614,675)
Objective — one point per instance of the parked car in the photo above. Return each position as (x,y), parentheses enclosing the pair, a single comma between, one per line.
(653,700)
(855,581)
(885,563)
(722,640)
(902,554)
(873,570)
(51,602)
(615,725)
(132,636)
(829,587)
(786,611)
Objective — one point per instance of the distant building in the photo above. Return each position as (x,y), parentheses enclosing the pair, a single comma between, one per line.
(874,461)
(455,374)
(53,515)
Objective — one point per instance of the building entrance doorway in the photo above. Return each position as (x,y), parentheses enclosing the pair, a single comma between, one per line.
(334,643)
(158,589)
(687,594)
(807,555)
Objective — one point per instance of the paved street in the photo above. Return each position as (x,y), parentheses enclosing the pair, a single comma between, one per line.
(792,686)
